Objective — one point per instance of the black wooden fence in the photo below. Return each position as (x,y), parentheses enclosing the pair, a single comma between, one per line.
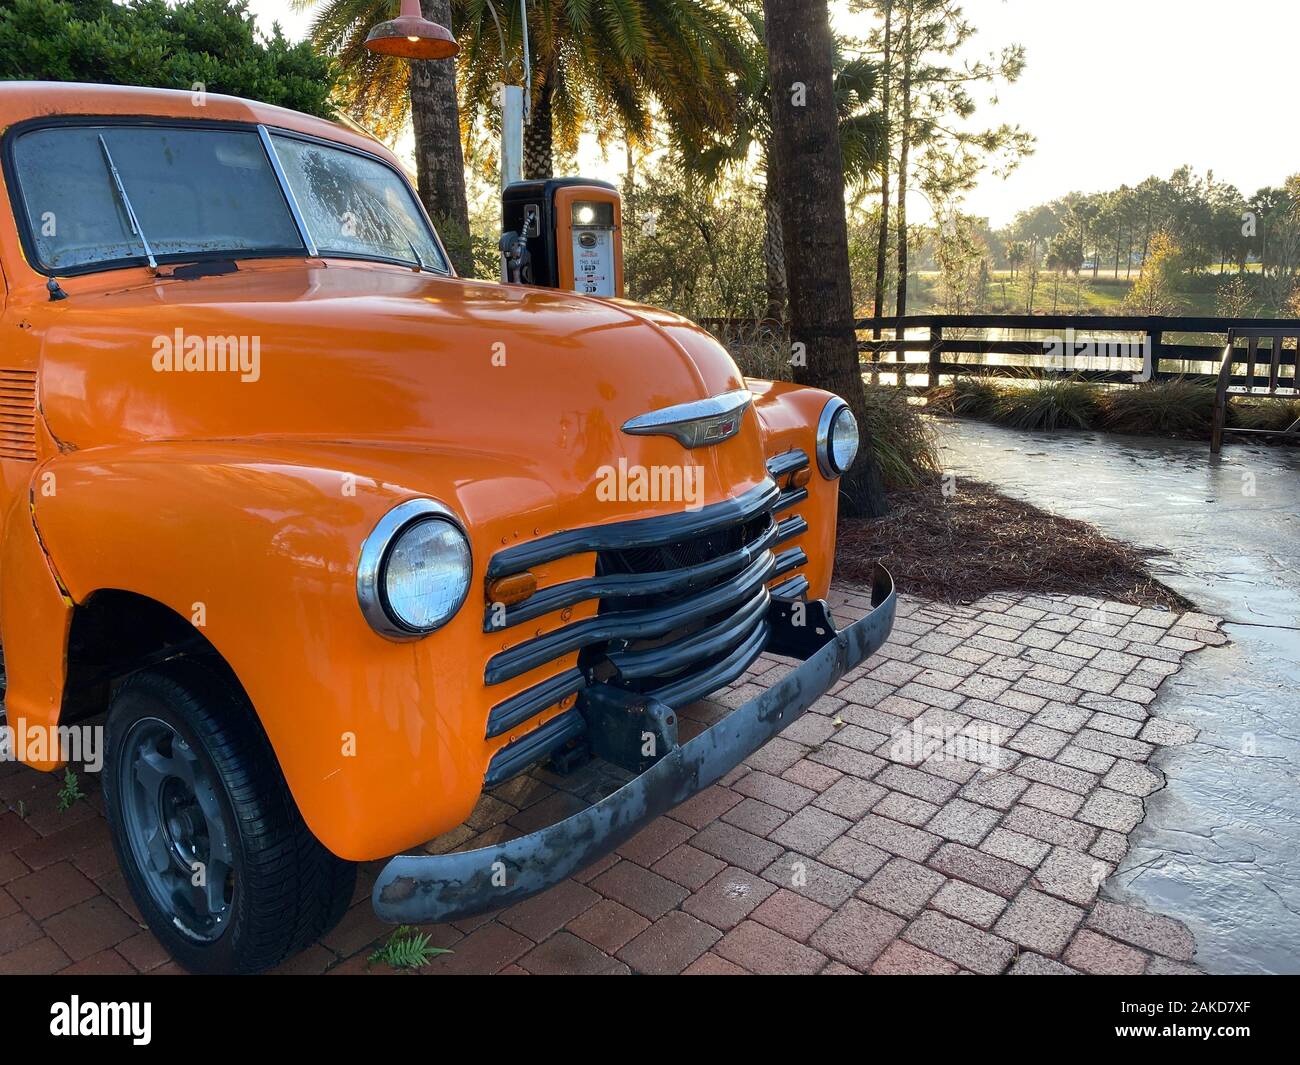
(1085,347)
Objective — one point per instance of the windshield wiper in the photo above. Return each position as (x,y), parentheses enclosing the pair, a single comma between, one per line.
(419,259)
(136,229)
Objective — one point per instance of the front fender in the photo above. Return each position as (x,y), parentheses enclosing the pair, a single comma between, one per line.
(788,414)
(381,743)
(35,620)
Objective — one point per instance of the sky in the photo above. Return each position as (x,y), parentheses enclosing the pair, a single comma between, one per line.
(1114,91)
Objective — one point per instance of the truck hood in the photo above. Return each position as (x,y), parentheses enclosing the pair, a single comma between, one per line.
(369,353)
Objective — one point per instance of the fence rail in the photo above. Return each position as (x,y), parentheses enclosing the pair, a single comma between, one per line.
(1088,347)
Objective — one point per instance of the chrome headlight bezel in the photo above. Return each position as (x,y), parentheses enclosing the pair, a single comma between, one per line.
(372,593)
(831,414)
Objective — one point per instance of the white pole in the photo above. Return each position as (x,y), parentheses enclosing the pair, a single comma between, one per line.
(512,134)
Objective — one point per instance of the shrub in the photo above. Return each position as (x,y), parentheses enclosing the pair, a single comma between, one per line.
(967,397)
(1178,406)
(901,438)
(1049,405)
(1273,415)
(760,350)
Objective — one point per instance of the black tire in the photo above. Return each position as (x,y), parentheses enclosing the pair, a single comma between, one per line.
(190,779)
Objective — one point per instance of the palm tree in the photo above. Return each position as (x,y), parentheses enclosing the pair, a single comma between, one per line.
(601,65)
(1062,258)
(1017,253)
(861,135)
(805,142)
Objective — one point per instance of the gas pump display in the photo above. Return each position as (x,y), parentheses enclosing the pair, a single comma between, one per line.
(565,233)
(592,248)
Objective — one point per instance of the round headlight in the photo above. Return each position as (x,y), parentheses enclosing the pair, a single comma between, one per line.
(837,439)
(415,570)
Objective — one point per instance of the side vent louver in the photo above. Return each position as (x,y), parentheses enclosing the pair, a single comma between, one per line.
(18,414)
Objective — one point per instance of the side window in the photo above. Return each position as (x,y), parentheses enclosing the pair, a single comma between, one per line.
(354,205)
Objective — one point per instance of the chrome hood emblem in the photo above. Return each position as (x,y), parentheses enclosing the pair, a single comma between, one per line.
(699,424)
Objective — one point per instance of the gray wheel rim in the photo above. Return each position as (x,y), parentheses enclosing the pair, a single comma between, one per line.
(177,832)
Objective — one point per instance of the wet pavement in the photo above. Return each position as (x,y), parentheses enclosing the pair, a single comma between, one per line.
(1220,846)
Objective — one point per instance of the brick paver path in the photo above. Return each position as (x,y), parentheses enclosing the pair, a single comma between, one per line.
(955,805)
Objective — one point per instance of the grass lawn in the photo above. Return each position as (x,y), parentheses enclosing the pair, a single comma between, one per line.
(1066,294)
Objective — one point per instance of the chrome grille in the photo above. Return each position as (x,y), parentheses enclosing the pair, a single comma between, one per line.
(684,604)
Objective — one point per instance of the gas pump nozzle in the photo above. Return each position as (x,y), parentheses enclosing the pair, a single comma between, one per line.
(518,260)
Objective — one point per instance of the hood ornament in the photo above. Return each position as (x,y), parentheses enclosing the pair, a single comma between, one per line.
(700,424)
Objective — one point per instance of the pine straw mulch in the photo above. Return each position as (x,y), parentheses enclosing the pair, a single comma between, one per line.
(980,541)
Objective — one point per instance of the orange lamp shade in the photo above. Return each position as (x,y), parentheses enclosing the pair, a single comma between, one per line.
(412,36)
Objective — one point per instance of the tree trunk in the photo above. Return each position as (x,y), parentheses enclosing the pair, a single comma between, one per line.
(805,143)
(439,158)
(774,246)
(539,136)
(882,247)
(629,181)
(1146,246)
(904,151)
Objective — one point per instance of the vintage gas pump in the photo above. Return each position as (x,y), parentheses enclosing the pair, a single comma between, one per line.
(564,233)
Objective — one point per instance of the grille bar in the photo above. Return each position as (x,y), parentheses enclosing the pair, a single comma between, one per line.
(781,465)
(698,646)
(793,526)
(794,588)
(532,701)
(686,691)
(656,621)
(515,757)
(665,582)
(642,532)
(791,497)
(789,560)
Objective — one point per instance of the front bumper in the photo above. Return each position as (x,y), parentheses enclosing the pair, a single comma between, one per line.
(424,889)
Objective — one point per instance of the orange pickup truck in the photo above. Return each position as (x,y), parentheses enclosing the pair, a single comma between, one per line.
(336,540)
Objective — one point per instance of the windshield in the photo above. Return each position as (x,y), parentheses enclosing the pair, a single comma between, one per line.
(97,197)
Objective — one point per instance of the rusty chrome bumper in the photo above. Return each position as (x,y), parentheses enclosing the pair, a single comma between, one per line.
(425,889)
